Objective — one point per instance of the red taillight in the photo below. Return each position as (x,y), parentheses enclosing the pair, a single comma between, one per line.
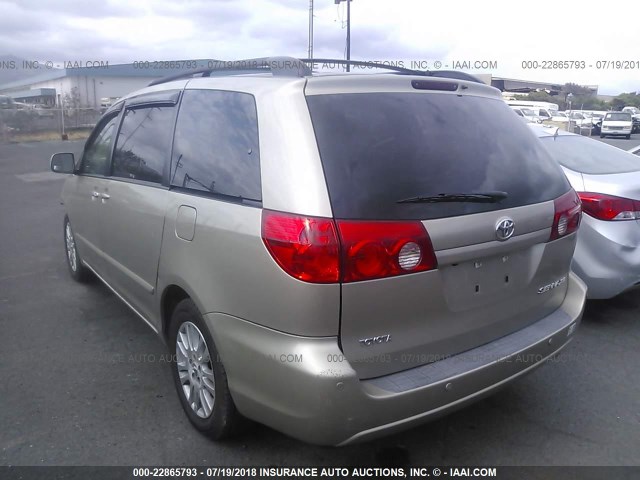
(608,207)
(309,249)
(384,249)
(305,247)
(567,215)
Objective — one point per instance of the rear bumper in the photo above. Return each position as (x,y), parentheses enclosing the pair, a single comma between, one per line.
(304,387)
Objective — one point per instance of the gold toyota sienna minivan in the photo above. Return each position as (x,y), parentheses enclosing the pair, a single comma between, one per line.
(337,256)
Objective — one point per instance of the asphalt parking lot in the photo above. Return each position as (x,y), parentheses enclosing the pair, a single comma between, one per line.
(83,381)
(621,142)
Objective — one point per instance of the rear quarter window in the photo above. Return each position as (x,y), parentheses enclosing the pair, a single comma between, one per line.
(378,148)
(216,148)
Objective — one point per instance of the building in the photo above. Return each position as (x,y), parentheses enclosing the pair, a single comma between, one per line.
(85,87)
(519,87)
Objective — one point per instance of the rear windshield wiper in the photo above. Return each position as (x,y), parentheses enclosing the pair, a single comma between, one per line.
(483,197)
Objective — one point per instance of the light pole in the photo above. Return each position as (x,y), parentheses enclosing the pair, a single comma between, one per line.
(310,49)
(348,30)
(569,97)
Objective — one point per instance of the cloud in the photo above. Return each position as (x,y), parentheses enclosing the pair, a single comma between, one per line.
(501,31)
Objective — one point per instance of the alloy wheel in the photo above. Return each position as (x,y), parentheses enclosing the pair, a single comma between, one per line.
(195,370)
(70,242)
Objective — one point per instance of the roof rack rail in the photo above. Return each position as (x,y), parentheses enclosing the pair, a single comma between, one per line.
(454,74)
(358,63)
(278,66)
(296,67)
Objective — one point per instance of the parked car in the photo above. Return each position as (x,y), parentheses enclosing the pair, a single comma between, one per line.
(527,114)
(635,113)
(596,120)
(542,114)
(595,116)
(547,109)
(607,180)
(580,119)
(223,211)
(520,114)
(15,115)
(616,124)
(43,111)
(560,117)
(106,102)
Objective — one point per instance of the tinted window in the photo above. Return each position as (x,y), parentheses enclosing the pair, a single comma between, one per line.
(144,143)
(377,149)
(590,156)
(95,160)
(216,144)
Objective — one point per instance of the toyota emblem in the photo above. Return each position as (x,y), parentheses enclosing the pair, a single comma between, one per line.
(505,229)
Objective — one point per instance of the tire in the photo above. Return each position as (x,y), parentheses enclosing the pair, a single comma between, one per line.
(601,136)
(213,411)
(628,137)
(77,270)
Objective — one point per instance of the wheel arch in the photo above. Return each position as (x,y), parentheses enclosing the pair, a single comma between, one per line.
(171,296)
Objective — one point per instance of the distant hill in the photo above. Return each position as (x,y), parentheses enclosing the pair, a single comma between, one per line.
(11,69)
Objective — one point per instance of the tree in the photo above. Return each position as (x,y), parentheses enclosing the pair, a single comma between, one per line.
(71,103)
(575,89)
(583,98)
(71,100)
(626,100)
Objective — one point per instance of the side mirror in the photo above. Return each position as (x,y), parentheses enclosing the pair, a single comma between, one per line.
(63,163)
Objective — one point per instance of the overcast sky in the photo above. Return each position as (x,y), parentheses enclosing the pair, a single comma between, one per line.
(507,32)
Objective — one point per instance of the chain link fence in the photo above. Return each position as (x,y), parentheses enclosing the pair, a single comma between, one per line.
(21,124)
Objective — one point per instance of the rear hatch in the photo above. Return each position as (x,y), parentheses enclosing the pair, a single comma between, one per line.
(396,156)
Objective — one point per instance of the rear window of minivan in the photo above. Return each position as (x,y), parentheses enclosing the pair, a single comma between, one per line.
(379,148)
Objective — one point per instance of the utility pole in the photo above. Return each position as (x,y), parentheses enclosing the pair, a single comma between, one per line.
(348,30)
(310,49)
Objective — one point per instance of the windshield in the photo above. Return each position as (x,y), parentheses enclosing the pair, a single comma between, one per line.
(618,117)
(588,156)
(528,112)
(379,148)
(560,114)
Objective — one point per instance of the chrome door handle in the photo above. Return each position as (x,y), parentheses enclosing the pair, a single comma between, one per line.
(106,196)
(95,195)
